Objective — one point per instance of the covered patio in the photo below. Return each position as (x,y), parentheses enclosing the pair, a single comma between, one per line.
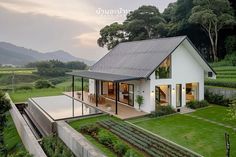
(110,106)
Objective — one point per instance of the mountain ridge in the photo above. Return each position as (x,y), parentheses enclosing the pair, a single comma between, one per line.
(17,55)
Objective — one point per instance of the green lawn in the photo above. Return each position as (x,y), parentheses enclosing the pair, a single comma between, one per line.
(23,95)
(11,137)
(216,113)
(198,135)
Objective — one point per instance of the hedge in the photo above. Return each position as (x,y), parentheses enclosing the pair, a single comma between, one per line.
(220,83)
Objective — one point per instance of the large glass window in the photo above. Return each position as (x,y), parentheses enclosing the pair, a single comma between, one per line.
(192,91)
(164,70)
(125,95)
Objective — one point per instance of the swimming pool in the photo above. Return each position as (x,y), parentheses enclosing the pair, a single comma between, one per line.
(63,107)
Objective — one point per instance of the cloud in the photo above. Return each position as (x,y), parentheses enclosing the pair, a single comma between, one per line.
(71,25)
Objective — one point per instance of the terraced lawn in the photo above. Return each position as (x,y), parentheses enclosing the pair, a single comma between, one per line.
(198,135)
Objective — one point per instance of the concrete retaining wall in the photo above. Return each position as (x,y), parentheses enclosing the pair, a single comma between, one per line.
(226,92)
(78,144)
(27,137)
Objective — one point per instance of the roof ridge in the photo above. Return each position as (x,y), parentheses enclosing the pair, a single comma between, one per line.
(146,40)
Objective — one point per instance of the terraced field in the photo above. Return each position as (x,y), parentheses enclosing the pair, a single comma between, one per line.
(226,77)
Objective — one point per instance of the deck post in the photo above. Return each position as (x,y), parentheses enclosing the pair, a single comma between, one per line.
(116,98)
(82,86)
(96,82)
(73,86)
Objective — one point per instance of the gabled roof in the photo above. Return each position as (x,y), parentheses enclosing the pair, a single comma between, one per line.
(138,59)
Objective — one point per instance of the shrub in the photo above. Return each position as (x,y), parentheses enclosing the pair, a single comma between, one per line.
(131,153)
(24,88)
(120,148)
(89,129)
(21,154)
(139,99)
(54,147)
(197,104)
(43,84)
(216,99)
(162,110)
(105,138)
(58,80)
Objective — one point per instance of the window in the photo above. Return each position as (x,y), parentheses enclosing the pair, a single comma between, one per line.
(210,74)
(164,70)
(163,95)
(192,91)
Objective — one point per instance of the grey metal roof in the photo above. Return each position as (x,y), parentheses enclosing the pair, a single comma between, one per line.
(137,58)
(103,76)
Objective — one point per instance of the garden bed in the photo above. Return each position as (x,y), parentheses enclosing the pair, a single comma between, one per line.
(106,141)
(152,145)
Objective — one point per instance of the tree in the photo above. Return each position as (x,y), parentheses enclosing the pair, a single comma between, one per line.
(4,108)
(139,99)
(144,23)
(212,15)
(111,35)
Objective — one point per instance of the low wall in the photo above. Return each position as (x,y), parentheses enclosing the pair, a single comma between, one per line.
(27,137)
(226,92)
(77,143)
(44,123)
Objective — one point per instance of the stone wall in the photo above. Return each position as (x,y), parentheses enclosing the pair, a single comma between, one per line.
(77,143)
(26,135)
(226,92)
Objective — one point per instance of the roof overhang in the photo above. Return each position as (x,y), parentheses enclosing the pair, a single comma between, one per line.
(103,76)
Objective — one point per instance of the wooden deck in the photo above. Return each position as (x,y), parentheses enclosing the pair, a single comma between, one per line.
(124,111)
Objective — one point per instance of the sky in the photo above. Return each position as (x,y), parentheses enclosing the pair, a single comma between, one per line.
(69,25)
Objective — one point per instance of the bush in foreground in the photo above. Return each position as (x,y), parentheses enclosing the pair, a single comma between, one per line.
(21,154)
(197,104)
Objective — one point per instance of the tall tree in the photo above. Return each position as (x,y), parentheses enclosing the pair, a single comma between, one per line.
(111,35)
(144,23)
(4,107)
(212,15)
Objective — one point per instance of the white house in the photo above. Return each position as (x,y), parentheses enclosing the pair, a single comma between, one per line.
(165,71)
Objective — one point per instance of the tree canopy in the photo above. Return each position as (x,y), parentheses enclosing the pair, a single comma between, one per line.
(184,17)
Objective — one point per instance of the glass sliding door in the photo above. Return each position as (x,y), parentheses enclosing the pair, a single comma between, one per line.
(178,95)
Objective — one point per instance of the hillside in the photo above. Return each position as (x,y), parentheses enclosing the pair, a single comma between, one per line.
(16,55)
(226,77)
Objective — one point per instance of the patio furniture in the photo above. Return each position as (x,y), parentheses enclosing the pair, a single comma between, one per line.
(108,107)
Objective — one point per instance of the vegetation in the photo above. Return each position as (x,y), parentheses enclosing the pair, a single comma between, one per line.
(197,104)
(152,145)
(226,77)
(216,99)
(139,99)
(162,110)
(200,20)
(196,134)
(54,147)
(55,68)
(212,16)
(5,106)
(43,84)
(101,137)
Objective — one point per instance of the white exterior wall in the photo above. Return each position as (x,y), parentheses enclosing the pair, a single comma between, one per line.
(185,69)
(91,86)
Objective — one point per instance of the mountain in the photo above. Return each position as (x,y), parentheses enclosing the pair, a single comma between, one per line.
(16,55)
